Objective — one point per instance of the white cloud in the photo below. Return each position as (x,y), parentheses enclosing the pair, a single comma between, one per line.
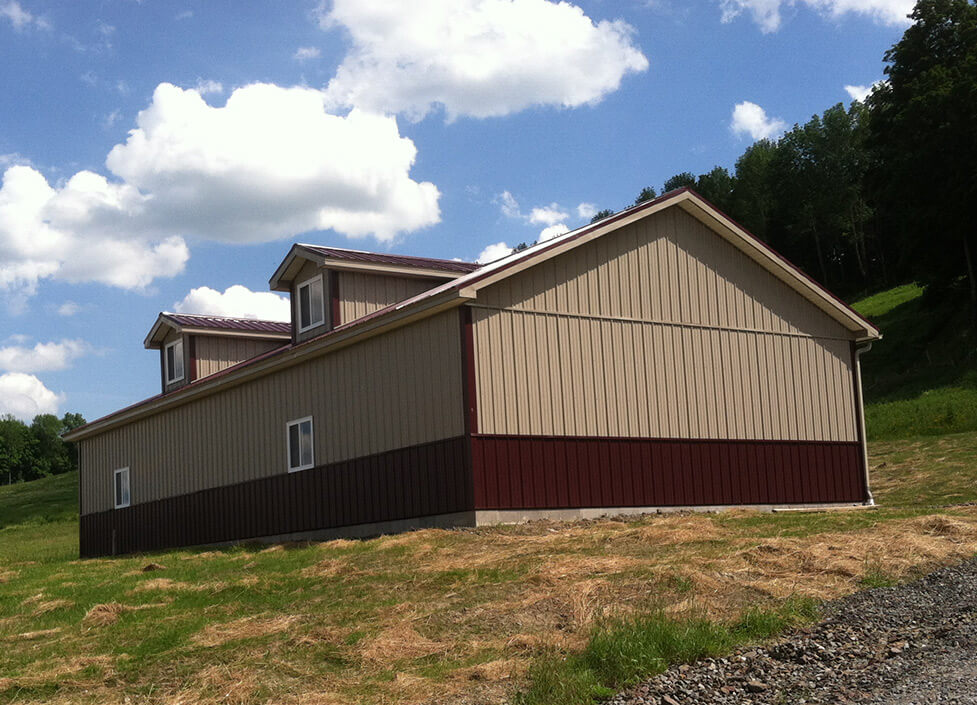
(767,13)
(184,15)
(547,215)
(108,122)
(552,231)
(493,252)
(42,357)
(306,53)
(21,19)
(82,231)
(206,86)
(270,164)
(750,119)
(25,396)
(479,58)
(237,301)
(508,205)
(860,93)
(68,308)
(586,210)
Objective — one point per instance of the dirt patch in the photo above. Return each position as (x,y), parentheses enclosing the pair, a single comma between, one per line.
(246,628)
(150,567)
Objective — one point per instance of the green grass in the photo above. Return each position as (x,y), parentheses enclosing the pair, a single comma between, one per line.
(50,499)
(622,652)
(921,378)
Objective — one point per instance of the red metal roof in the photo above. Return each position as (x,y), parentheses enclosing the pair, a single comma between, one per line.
(447,265)
(193,320)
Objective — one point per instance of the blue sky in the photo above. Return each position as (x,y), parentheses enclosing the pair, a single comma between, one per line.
(150,149)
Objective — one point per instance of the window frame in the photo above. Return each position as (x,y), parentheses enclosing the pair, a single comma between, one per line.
(298,303)
(115,488)
(166,361)
(288,444)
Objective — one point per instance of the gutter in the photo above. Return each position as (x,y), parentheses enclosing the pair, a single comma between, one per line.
(859,349)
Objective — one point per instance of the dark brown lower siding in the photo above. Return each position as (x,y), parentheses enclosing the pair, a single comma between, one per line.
(419,481)
(523,472)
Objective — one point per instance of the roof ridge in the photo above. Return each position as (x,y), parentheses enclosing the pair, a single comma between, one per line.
(226,318)
(386,254)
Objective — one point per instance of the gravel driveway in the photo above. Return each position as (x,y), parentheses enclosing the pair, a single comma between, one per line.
(915,643)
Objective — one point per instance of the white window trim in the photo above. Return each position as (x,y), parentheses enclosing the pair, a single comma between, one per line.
(288,441)
(166,365)
(298,303)
(115,499)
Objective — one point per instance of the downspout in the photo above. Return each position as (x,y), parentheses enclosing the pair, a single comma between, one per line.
(870,501)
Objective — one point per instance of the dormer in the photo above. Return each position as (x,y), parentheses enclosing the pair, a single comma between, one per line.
(330,286)
(192,346)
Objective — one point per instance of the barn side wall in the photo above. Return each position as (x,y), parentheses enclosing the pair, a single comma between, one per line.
(389,444)
(362,293)
(213,353)
(660,366)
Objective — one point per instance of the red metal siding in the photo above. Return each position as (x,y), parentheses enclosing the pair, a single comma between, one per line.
(527,472)
(425,480)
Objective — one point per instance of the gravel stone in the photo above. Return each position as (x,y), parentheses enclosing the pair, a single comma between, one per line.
(902,645)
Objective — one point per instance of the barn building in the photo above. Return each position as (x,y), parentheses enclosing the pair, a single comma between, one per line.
(660,358)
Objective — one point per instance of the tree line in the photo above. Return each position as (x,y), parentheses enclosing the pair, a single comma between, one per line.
(29,452)
(878,193)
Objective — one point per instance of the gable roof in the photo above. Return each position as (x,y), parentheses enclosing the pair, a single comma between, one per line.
(465,288)
(340,258)
(216,325)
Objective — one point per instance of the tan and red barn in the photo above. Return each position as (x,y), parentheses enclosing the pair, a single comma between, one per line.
(660,358)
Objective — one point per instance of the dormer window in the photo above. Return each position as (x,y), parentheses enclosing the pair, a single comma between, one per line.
(311,308)
(174,361)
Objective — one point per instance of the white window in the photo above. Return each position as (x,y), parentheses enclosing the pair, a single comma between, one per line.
(300,455)
(121,488)
(311,309)
(174,361)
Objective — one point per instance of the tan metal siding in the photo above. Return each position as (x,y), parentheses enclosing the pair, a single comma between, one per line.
(218,352)
(659,330)
(670,268)
(395,390)
(361,293)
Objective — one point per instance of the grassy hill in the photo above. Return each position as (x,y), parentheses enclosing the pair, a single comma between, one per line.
(556,612)
(921,378)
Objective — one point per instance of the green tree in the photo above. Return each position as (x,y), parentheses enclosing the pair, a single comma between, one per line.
(648,193)
(684,180)
(716,187)
(38,450)
(754,195)
(18,451)
(601,214)
(922,131)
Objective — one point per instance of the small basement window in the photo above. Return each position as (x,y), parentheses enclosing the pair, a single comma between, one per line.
(311,307)
(300,455)
(174,361)
(121,488)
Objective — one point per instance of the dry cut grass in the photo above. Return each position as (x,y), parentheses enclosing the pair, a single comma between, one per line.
(435,616)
